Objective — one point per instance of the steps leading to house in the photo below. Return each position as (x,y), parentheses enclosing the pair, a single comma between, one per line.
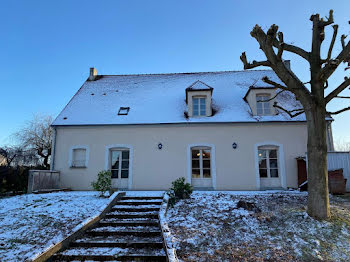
(130,231)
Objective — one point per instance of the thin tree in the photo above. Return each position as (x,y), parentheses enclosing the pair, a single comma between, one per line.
(313,100)
(37,135)
(8,154)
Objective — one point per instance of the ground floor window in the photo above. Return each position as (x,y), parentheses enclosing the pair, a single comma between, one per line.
(201,162)
(119,163)
(268,162)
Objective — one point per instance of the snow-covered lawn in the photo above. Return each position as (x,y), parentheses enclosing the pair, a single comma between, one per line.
(209,227)
(30,223)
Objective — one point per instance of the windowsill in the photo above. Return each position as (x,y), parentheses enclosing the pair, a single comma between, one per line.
(198,116)
(78,167)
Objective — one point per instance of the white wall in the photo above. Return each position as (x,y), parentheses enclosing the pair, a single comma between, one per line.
(154,169)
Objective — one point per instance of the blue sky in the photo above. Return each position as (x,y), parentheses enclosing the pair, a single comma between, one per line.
(47,47)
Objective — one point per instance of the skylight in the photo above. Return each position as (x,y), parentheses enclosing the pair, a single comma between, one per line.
(123,111)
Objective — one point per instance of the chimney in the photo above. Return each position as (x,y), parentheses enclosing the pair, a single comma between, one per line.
(93,74)
(287,64)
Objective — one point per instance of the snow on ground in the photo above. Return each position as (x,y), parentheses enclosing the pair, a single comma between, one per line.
(31,223)
(209,227)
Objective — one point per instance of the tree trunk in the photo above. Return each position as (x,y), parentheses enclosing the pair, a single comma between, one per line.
(318,197)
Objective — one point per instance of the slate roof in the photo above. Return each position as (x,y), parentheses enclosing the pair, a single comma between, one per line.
(161,99)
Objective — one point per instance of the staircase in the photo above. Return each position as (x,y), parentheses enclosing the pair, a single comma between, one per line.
(130,231)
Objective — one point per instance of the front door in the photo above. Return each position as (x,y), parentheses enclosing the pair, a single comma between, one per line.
(119,160)
(201,167)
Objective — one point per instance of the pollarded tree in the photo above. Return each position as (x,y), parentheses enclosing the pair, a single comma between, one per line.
(313,99)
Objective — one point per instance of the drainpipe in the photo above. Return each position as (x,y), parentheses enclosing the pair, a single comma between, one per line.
(52,166)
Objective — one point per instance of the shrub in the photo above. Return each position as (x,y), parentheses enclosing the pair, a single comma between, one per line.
(179,190)
(103,182)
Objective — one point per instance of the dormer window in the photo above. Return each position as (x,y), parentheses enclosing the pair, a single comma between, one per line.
(263,104)
(198,98)
(199,106)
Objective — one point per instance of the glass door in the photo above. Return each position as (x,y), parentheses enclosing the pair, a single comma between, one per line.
(201,167)
(120,168)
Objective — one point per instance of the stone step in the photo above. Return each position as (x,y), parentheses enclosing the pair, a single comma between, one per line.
(140,198)
(137,203)
(129,223)
(118,244)
(101,228)
(134,209)
(129,257)
(122,239)
(115,252)
(131,215)
(125,233)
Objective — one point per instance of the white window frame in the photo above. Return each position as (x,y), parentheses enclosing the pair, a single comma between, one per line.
(266,97)
(212,161)
(71,155)
(280,159)
(120,169)
(201,168)
(199,105)
(268,168)
(131,155)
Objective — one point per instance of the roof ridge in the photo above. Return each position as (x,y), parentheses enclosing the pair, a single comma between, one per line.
(190,73)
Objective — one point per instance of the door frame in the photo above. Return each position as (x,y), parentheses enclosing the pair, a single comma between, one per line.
(212,162)
(281,163)
(131,155)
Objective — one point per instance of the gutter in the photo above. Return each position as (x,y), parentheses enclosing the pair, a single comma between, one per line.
(186,123)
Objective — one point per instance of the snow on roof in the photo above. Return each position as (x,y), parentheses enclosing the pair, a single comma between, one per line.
(199,85)
(160,98)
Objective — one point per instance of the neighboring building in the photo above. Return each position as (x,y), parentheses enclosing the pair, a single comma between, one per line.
(2,161)
(211,128)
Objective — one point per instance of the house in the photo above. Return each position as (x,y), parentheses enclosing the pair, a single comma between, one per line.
(213,128)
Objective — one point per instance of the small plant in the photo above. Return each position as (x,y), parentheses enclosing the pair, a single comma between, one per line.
(179,190)
(103,182)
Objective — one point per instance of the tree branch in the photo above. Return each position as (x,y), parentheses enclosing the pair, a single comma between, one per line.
(290,112)
(333,64)
(344,97)
(342,40)
(337,91)
(273,83)
(339,111)
(287,77)
(329,20)
(335,32)
(254,64)
(272,98)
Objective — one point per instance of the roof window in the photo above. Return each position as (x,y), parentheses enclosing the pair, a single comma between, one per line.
(123,111)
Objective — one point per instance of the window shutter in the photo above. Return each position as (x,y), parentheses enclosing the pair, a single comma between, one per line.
(79,157)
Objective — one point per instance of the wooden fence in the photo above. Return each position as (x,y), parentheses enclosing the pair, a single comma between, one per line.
(43,180)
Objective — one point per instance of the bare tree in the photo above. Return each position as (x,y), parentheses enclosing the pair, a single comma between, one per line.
(9,154)
(313,100)
(342,145)
(37,135)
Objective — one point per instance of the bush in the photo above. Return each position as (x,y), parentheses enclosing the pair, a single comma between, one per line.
(179,190)
(103,182)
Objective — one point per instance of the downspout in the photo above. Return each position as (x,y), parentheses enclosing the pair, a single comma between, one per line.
(52,166)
